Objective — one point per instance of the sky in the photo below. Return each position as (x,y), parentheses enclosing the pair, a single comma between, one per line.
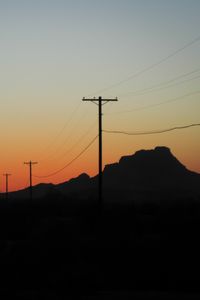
(53,53)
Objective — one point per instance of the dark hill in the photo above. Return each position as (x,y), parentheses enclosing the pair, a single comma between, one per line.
(156,168)
(76,187)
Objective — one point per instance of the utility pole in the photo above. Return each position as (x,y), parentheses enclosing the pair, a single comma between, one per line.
(30,163)
(100,102)
(7,176)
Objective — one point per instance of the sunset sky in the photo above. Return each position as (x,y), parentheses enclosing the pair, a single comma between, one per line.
(55,52)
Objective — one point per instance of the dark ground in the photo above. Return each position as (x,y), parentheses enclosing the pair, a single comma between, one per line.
(56,250)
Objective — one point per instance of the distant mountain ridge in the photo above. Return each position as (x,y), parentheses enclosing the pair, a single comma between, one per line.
(152,168)
(146,170)
(156,170)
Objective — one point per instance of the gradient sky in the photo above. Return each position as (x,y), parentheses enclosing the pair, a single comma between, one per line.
(54,52)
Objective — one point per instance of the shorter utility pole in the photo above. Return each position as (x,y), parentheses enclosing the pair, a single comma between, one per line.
(30,163)
(6,176)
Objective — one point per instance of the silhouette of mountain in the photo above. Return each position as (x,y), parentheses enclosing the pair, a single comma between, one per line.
(155,170)
(40,191)
(76,187)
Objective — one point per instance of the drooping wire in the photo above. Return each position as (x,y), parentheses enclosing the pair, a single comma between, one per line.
(61,145)
(71,132)
(63,128)
(152,66)
(68,164)
(79,140)
(151,132)
(156,104)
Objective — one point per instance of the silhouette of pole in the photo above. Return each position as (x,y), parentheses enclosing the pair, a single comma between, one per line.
(30,163)
(6,176)
(100,155)
(100,102)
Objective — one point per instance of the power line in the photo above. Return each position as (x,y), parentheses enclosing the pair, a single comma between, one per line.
(169,85)
(153,131)
(66,138)
(63,128)
(156,104)
(72,131)
(197,39)
(163,85)
(68,164)
(79,140)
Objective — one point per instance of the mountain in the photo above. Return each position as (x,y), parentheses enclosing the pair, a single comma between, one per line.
(76,187)
(155,171)
(156,168)
(39,190)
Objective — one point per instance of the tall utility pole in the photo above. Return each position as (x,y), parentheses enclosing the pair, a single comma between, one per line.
(30,163)
(100,102)
(7,176)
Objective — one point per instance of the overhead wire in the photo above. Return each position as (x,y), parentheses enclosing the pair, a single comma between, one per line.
(70,133)
(69,163)
(61,145)
(169,85)
(152,66)
(63,128)
(163,85)
(153,131)
(155,104)
(79,140)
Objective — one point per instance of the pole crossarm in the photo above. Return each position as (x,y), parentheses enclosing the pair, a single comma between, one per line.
(98,99)
(31,162)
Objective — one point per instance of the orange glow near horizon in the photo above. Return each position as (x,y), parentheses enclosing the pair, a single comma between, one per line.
(88,163)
